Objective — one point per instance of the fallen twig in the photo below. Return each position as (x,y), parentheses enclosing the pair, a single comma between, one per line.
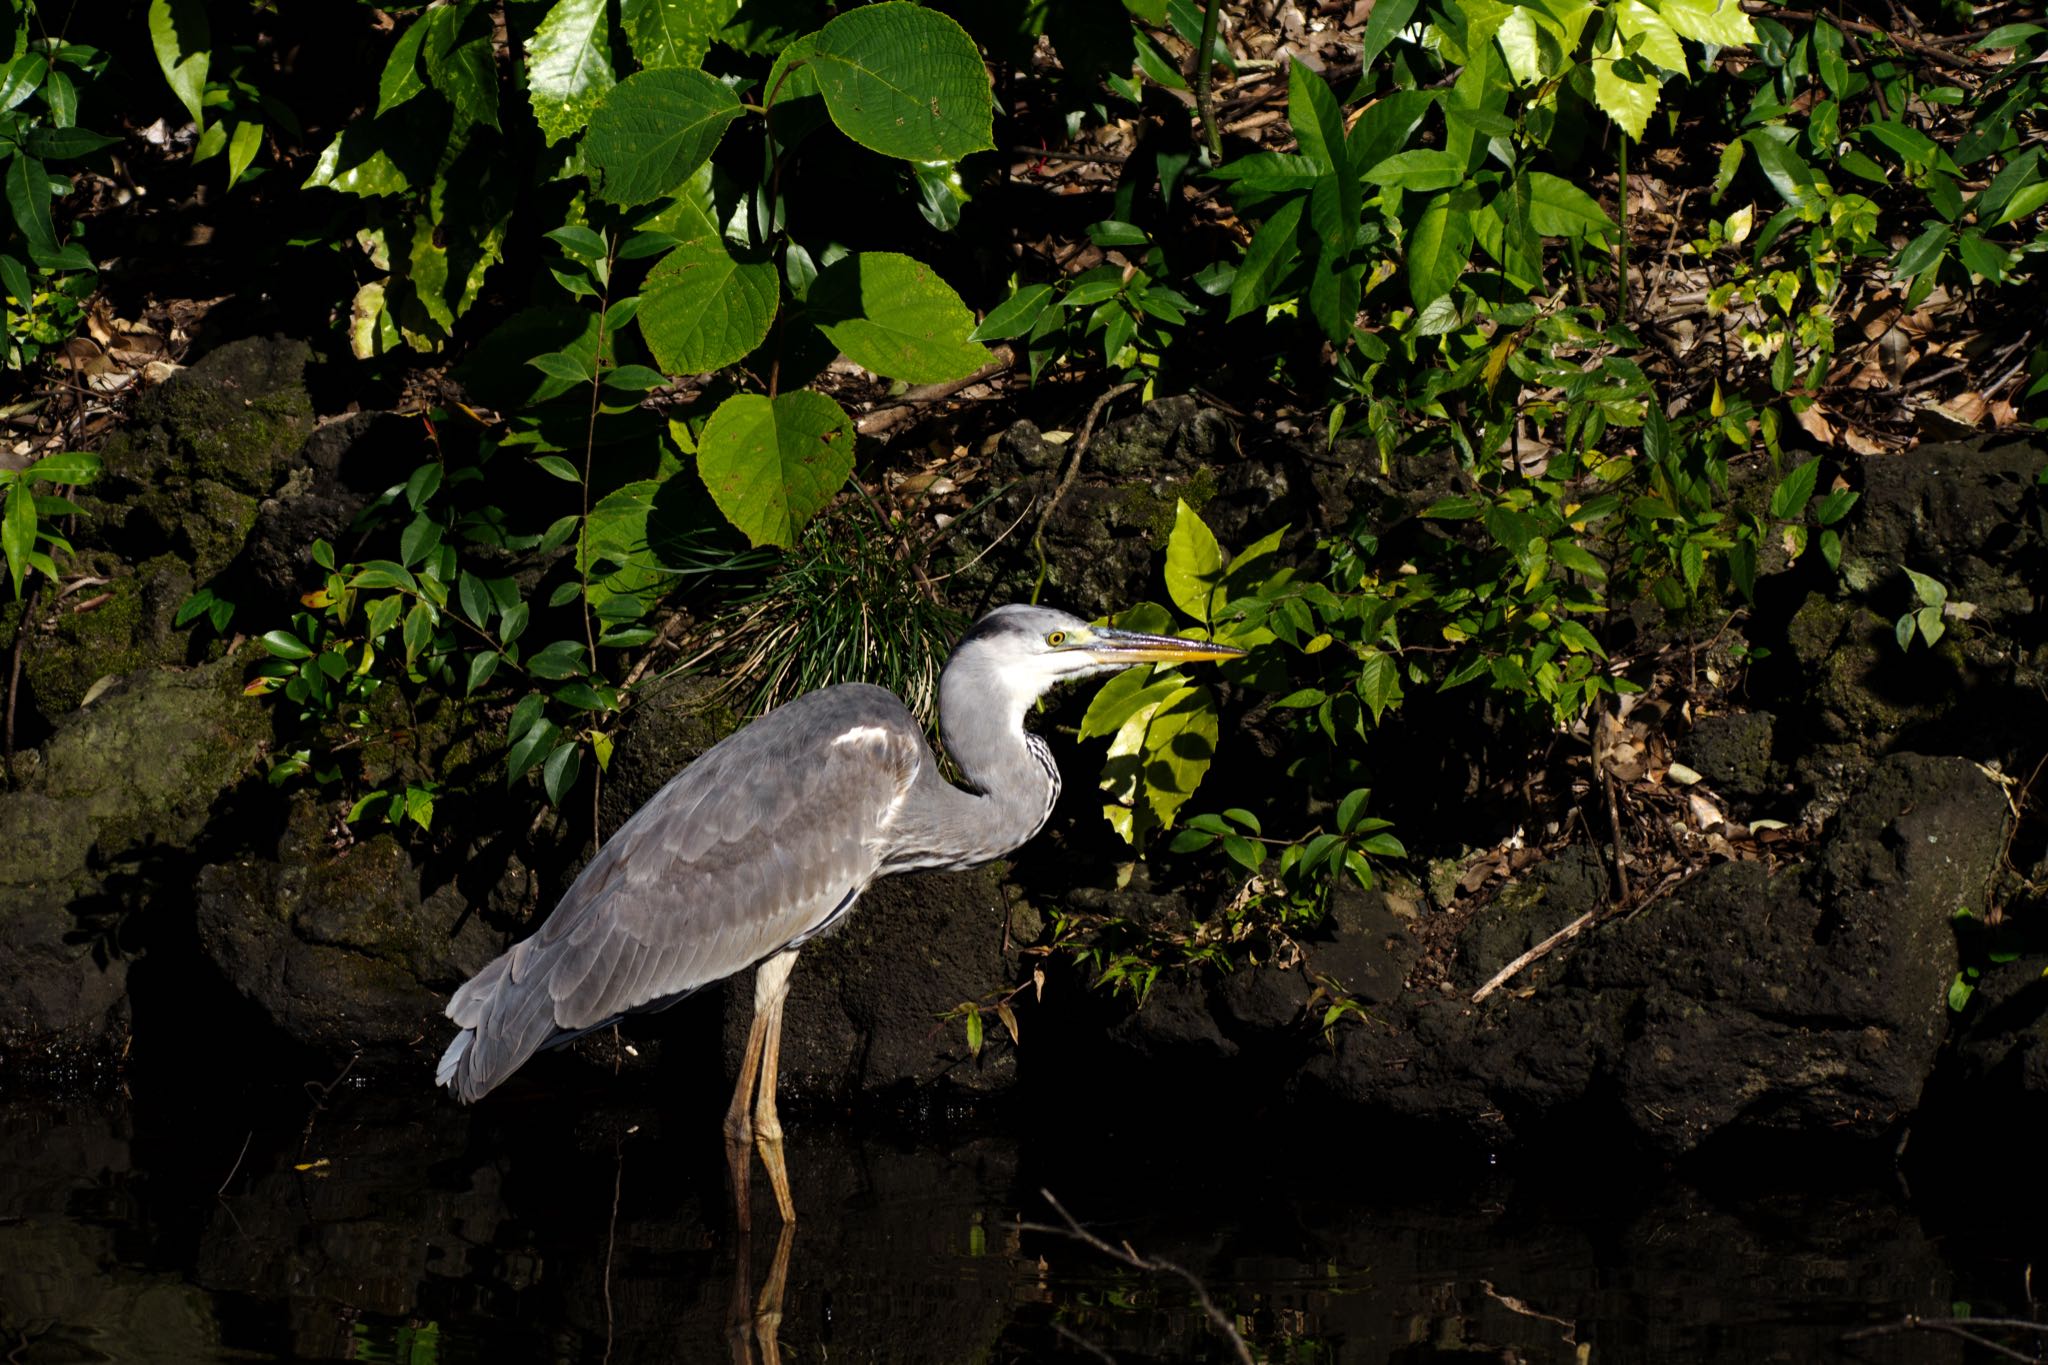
(894,411)
(1081,440)
(1564,935)
(1912,1322)
(1127,1256)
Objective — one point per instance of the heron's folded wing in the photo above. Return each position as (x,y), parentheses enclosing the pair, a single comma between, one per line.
(752,846)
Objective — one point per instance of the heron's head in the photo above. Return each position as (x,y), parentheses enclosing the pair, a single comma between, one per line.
(1023,652)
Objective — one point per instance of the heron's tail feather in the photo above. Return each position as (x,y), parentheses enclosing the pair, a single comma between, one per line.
(507,1015)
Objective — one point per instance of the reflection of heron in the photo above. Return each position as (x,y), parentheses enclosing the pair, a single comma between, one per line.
(770,837)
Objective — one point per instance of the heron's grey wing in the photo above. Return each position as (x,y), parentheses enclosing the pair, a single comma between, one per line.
(754,845)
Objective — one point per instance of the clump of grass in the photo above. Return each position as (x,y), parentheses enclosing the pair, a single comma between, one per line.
(846,605)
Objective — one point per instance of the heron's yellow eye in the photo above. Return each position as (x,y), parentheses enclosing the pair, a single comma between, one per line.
(1056,638)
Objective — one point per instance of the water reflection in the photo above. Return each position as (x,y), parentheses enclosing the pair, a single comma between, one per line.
(382,1225)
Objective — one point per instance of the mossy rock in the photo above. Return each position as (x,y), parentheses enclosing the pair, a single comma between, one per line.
(112,797)
(124,626)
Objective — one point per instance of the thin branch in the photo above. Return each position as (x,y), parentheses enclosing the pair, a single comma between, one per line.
(1928,50)
(1951,1327)
(1081,440)
(1564,935)
(1126,1256)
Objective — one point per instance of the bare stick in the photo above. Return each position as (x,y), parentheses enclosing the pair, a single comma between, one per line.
(1081,440)
(1564,935)
(237,1166)
(1912,1322)
(1125,1255)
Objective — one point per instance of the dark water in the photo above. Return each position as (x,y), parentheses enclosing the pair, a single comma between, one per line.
(191,1221)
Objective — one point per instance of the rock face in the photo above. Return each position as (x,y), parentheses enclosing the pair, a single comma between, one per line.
(110,808)
(340,948)
(1813,999)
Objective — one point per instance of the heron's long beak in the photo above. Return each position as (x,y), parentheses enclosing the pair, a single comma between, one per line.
(1129,647)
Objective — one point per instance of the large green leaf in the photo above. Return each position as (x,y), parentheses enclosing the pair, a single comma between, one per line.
(1194,565)
(893,315)
(1720,22)
(655,130)
(615,541)
(178,32)
(1558,208)
(18,532)
(771,463)
(1317,118)
(568,67)
(28,195)
(1658,44)
(1273,251)
(1625,89)
(355,163)
(461,61)
(904,81)
(700,309)
(673,32)
(1440,246)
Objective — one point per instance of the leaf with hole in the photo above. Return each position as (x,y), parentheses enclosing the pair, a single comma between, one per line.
(904,81)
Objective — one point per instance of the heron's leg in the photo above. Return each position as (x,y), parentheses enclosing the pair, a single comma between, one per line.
(739,1135)
(768,1310)
(771,989)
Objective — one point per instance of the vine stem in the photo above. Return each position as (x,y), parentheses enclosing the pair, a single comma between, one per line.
(1621,245)
(28,607)
(1205,60)
(604,304)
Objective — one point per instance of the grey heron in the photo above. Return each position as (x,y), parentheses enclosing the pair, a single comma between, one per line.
(769,838)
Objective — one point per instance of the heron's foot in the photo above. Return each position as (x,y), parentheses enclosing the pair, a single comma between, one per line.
(768,1139)
(739,1158)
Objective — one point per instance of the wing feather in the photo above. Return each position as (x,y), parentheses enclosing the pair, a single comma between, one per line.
(751,847)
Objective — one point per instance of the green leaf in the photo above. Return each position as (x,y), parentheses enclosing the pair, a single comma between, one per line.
(1558,208)
(674,32)
(1111,232)
(1317,119)
(400,80)
(904,81)
(772,464)
(419,631)
(1626,90)
(1719,22)
(28,194)
(55,144)
(1379,680)
(700,309)
(66,466)
(1421,169)
(1123,696)
(1644,31)
(1269,171)
(559,773)
(654,130)
(1789,498)
(894,316)
(1979,255)
(556,660)
(18,533)
(243,145)
(1923,251)
(974,1032)
(281,643)
(1834,505)
(560,468)
(178,32)
(1272,252)
(568,67)
(1798,183)
(461,62)
(1353,804)
(1194,564)
(1440,246)
(1014,316)
(1930,591)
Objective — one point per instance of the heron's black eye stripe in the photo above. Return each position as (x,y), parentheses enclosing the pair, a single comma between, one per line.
(1056,638)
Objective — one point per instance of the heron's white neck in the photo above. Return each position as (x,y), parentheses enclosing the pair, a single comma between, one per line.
(1009,772)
